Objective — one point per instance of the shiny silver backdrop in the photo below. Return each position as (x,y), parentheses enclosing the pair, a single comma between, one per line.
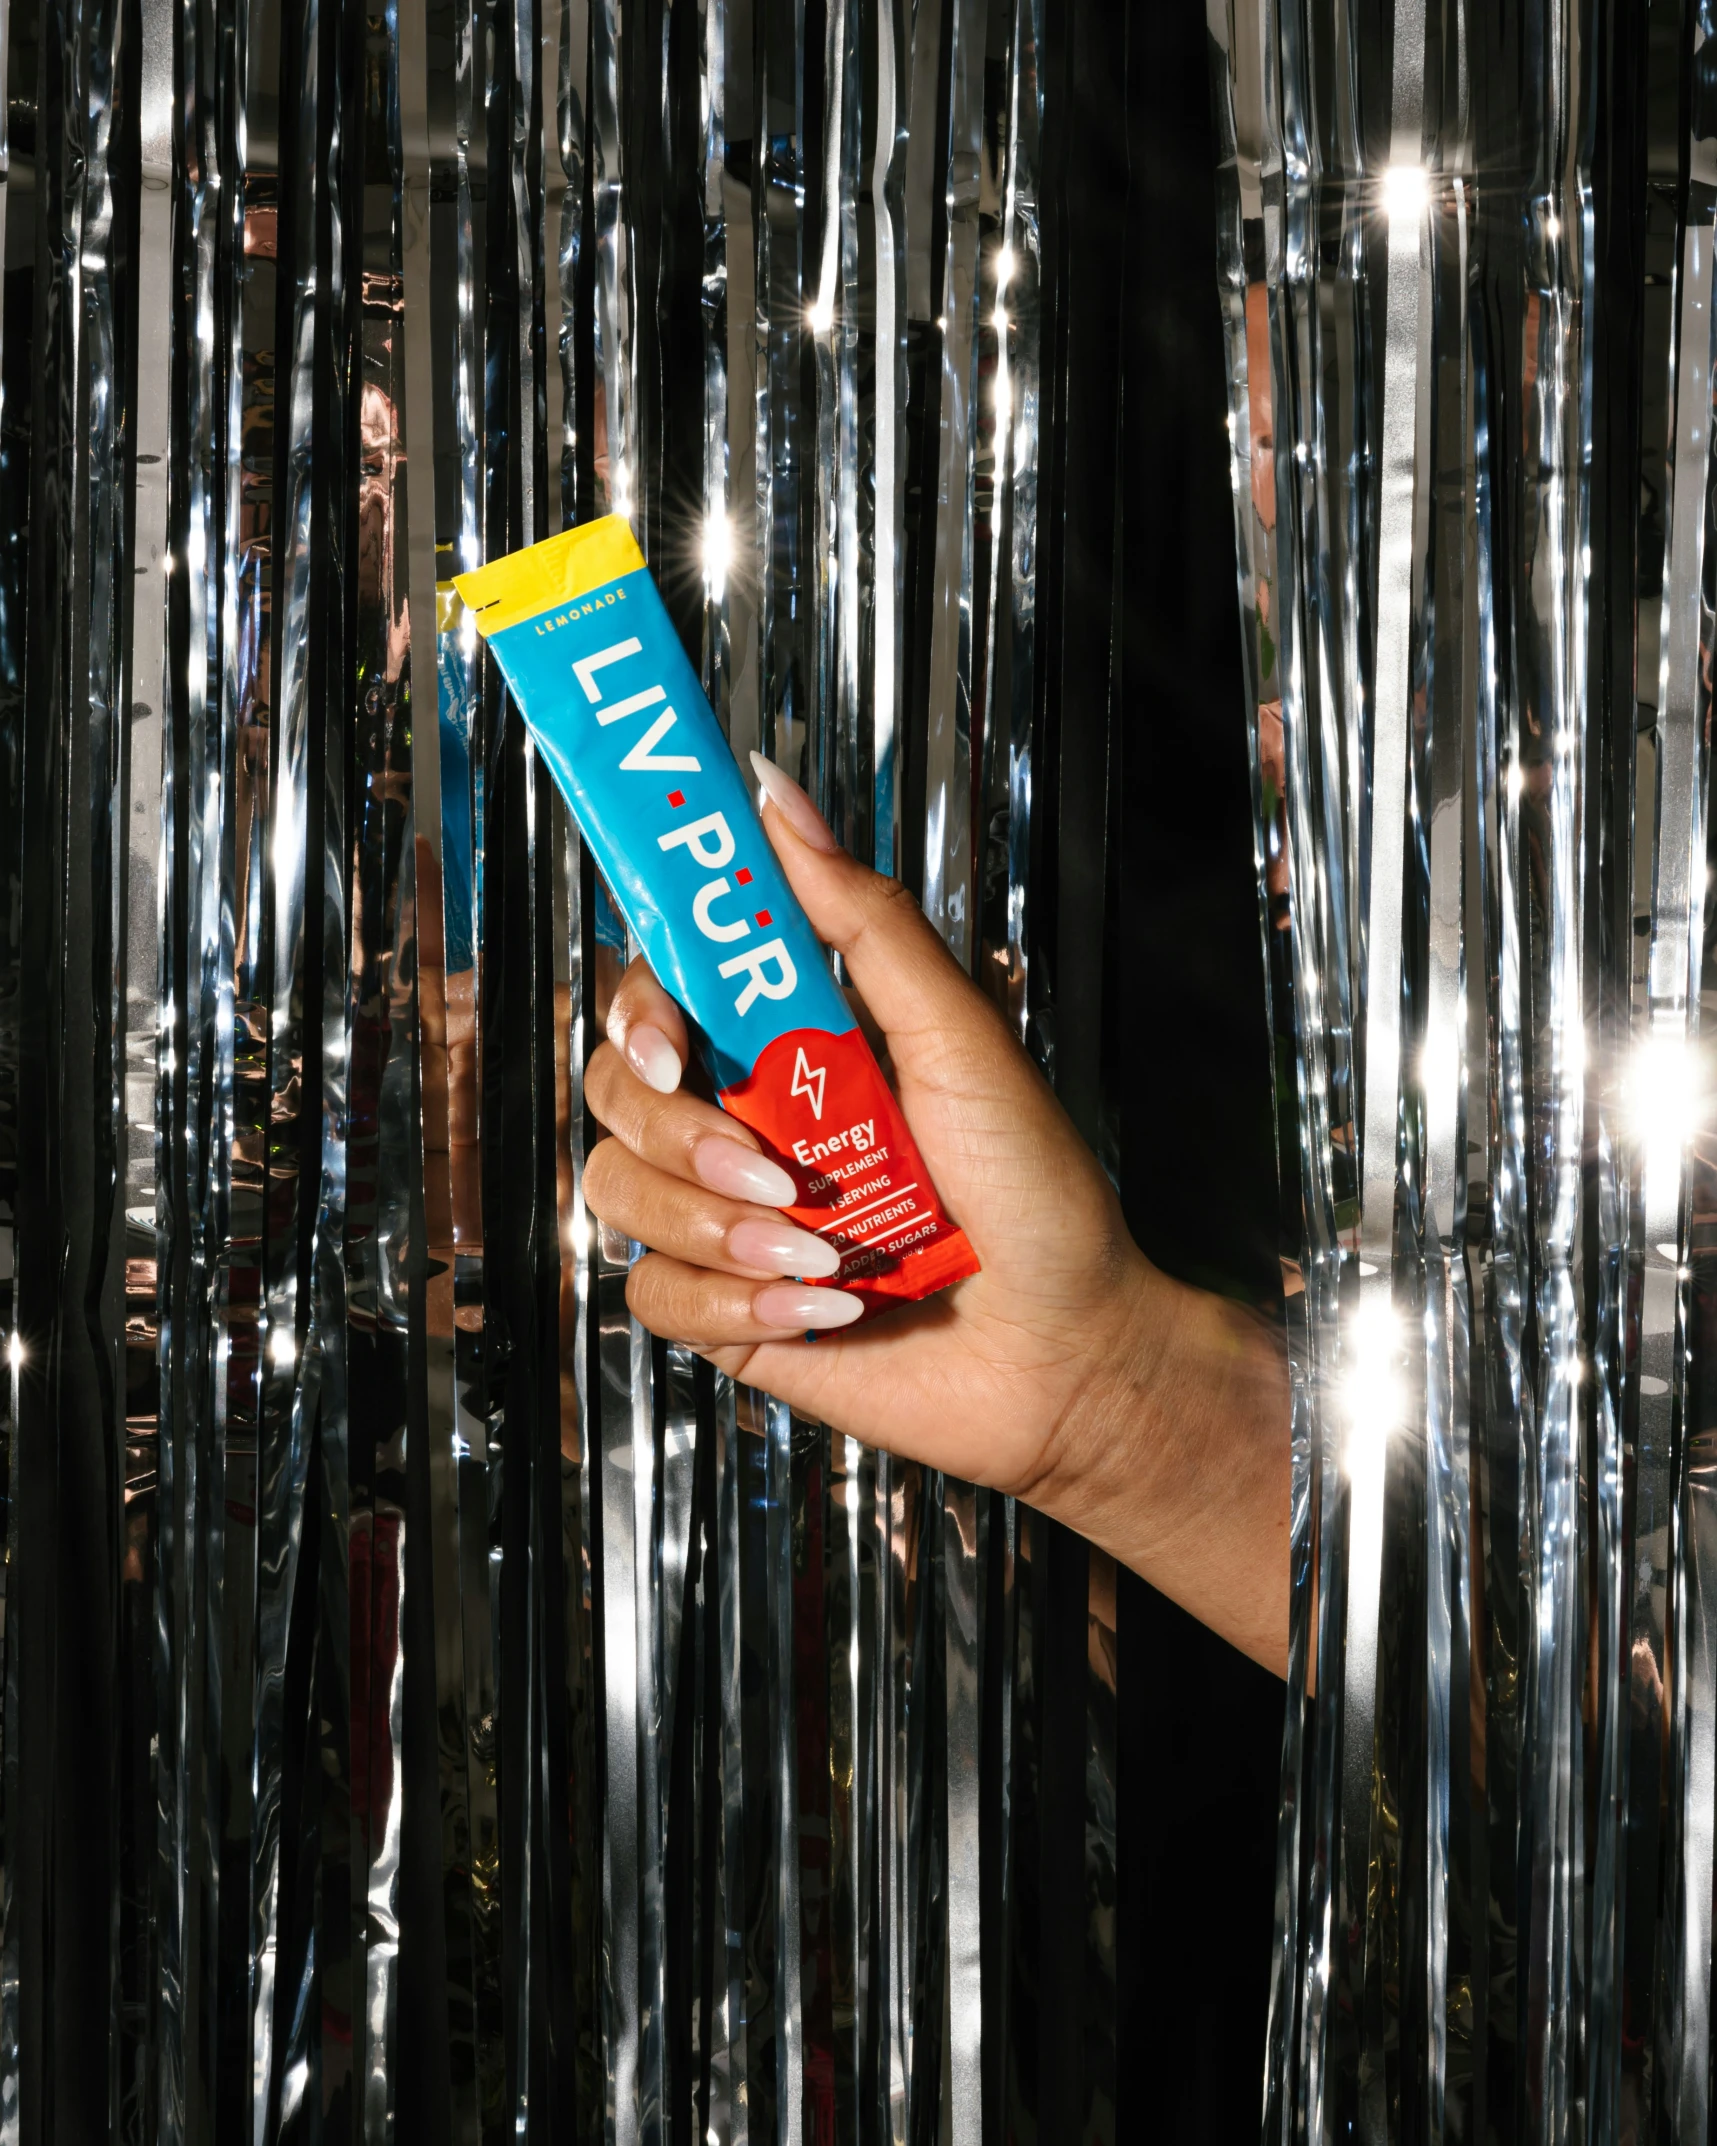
(1468,267)
(431,1708)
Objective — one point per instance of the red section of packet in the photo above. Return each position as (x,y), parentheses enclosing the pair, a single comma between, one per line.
(822,1110)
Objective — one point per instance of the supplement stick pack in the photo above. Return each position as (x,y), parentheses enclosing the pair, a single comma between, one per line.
(617,713)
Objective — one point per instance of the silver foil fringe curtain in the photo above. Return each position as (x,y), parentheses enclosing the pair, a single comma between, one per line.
(1468,265)
(431,1707)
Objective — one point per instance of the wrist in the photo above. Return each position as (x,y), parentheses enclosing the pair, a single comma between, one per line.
(1174,1453)
(1096,1465)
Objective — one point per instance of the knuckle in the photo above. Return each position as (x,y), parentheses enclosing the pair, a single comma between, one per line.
(683,1217)
(642,998)
(644,1296)
(600,1171)
(619,1100)
(623,1008)
(601,1083)
(678,1302)
(657,1297)
(889,907)
(688,1138)
(674,1213)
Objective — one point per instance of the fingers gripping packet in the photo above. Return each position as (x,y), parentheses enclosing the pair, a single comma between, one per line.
(616,711)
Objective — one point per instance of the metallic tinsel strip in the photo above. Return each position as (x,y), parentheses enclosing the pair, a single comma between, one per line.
(1493,1898)
(1670,1183)
(140,1992)
(12,387)
(704,1742)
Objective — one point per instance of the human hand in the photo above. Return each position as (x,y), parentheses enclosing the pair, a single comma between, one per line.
(1068,1371)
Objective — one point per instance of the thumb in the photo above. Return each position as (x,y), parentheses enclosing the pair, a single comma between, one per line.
(906,976)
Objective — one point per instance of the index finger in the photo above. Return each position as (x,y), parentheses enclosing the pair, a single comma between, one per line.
(648,1029)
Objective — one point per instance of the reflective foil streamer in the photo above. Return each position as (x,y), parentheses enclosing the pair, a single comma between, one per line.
(432,1708)
(1466,273)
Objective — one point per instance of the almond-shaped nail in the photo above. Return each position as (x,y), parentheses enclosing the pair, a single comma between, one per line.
(653,1058)
(779,1248)
(793,805)
(786,1304)
(742,1173)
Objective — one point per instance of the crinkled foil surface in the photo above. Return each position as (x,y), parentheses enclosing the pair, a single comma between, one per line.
(1467,264)
(432,1708)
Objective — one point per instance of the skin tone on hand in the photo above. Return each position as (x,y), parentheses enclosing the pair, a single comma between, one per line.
(1069,1372)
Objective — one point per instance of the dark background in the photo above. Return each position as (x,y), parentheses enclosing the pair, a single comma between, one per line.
(1200,1727)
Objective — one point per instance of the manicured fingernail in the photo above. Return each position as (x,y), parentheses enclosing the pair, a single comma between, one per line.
(653,1058)
(786,1304)
(742,1174)
(779,1248)
(793,805)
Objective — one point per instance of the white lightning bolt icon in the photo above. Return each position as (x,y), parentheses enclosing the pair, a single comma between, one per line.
(809,1083)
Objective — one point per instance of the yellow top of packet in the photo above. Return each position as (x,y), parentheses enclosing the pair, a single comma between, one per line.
(552,572)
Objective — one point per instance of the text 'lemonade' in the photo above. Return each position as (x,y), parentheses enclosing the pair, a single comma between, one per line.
(616,711)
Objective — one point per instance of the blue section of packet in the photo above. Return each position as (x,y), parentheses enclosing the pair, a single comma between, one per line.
(618,714)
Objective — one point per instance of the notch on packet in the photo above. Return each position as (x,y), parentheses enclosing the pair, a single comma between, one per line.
(616,711)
